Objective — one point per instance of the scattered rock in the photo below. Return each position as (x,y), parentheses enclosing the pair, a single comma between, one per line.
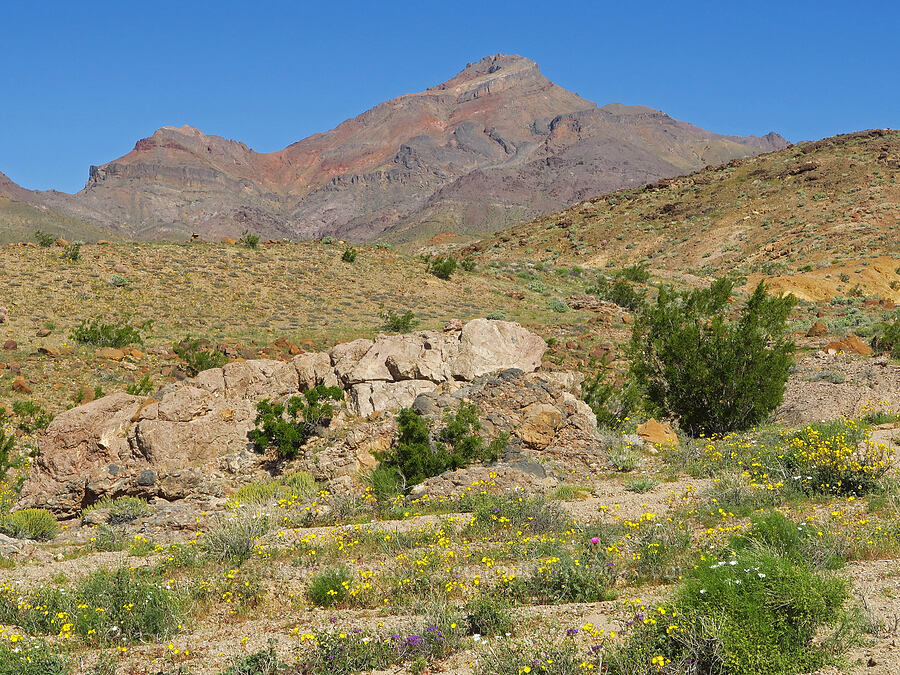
(228,241)
(120,269)
(3,313)
(62,242)
(818,329)
(110,353)
(20,385)
(10,345)
(658,433)
(44,332)
(47,350)
(15,549)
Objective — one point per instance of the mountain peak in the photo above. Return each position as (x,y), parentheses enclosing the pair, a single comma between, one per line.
(498,66)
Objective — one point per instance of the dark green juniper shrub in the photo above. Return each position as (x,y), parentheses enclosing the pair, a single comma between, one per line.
(417,456)
(713,374)
(249,239)
(611,398)
(198,355)
(116,335)
(617,291)
(887,338)
(468,263)
(43,239)
(287,426)
(349,255)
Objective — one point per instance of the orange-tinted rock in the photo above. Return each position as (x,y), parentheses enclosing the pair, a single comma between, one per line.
(110,353)
(228,241)
(818,329)
(10,345)
(658,433)
(20,385)
(136,354)
(48,350)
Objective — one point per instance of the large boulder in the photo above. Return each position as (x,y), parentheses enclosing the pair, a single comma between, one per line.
(487,346)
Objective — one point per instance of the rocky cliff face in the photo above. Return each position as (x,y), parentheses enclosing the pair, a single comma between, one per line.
(498,135)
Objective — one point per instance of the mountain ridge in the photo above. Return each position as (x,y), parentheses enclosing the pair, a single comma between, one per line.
(498,134)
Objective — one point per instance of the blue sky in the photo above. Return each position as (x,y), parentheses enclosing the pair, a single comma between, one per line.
(84,80)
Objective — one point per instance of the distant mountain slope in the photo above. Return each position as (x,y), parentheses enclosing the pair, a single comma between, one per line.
(816,218)
(497,141)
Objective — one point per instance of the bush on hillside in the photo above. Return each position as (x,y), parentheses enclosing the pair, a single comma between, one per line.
(31,416)
(38,524)
(442,267)
(198,355)
(417,457)
(887,338)
(349,255)
(117,335)
(287,426)
(43,239)
(713,374)
(398,323)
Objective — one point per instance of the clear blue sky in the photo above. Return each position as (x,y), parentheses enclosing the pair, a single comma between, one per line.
(84,80)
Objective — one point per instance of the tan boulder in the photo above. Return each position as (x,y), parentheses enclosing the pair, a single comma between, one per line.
(658,433)
(314,368)
(346,355)
(851,343)
(366,398)
(85,445)
(541,420)
(487,346)
(228,241)
(110,353)
(48,350)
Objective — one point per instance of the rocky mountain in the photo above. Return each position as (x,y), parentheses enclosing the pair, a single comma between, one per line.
(496,144)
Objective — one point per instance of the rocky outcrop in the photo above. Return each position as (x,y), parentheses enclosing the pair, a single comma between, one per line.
(190,436)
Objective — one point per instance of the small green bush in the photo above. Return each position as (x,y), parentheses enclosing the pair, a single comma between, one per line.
(31,657)
(468,263)
(141,387)
(887,338)
(488,615)
(714,375)
(287,426)
(38,524)
(127,509)
(618,291)
(640,485)
(72,252)
(458,444)
(249,239)
(514,512)
(349,255)
(43,239)
(115,335)
(398,323)
(582,576)
(198,355)
(385,482)
(442,267)
(558,306)
(31,416)
(263,662)
(233,539)
(329,587)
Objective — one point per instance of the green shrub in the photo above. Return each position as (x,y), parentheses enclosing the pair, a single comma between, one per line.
(329,587)
(558,306)
(141,387)
(468,263)
(751,612)
(801,542)
(887,339)
(249,240)
(488,615)
(108,538)
(43,239)
(31,416)
(442,267)
(385,482)
(7,450)
(349,255)
(72,252)
(398,323)
(36,524)
(198,355)
(581,576)
(287,426)
(637,273)
(714,375)
(514,512)
(263,662)
(458,444)
(618,291)
(233,539)
(30,657)
(116,335)
(640,485)
(127,509)
(612,400)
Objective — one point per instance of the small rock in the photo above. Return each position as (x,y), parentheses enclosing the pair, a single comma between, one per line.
(228,241)
(452,326)
(49,351)
(818,329)
(20,385)
(85,394)
(147,478)
(120,269)
(136,354)
(658,433)
(110,353)
(44,332)
(10,345)
(62,242)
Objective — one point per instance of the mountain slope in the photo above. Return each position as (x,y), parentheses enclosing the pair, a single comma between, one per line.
(815,218)
(499,136)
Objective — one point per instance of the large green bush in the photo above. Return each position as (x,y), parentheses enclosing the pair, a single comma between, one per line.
(287,426)
(417,457)
(442,267)
(714,374)
(887,338)
(36,524)
(198,355)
